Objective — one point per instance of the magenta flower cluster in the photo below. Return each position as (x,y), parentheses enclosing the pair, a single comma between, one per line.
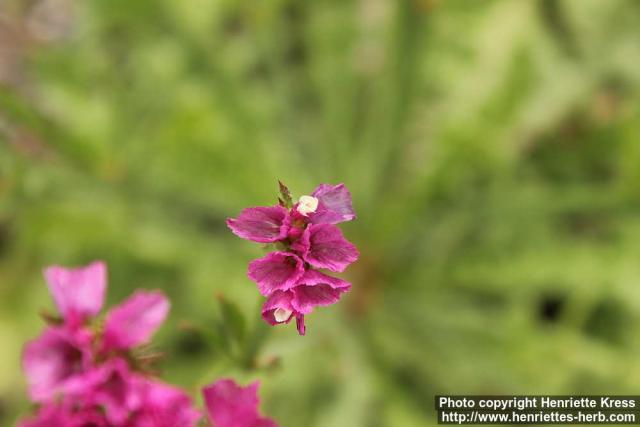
(90,371)
(306,239)
(82,370)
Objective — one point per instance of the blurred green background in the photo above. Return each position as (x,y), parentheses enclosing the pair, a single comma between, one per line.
(492,149)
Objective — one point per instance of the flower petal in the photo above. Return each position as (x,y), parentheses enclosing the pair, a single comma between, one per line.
(334,204)
(276,271)
(230,405)
(78,293)
(314,277)
(165,406)
(261,224)
(135,320)
(279,300)
(116,389)
(306,298)
(324,246)
(55,362)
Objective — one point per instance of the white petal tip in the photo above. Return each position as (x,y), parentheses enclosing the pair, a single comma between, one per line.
(282,315)
(307,205)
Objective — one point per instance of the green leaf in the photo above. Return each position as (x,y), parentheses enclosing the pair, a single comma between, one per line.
(233,321)
(285,196)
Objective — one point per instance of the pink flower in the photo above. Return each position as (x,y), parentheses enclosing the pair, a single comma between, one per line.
(55,361)
(314,289)
(84,373)
(276,271)
(230,405)
(119,398)
(132,400)
(165,406)
(135,320)
(324,246)
(307,238)
(334,205)
(78,293)
(261,224)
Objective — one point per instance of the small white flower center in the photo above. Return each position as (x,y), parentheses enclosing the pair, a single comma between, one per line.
(282,315)
(307,205)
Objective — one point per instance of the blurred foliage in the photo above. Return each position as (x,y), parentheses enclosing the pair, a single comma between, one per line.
(492,148)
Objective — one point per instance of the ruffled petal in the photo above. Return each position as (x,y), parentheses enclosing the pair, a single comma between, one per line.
(334,205)
(261,224)
(306,298)
(276,271)
(314,277)
(324,246)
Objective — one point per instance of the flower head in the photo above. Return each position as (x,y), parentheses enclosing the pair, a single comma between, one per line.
(83,371)
(306,239)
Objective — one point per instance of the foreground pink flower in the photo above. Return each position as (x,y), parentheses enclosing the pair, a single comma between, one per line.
(120,401)
(83,372)
(230,405)
(306,238)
